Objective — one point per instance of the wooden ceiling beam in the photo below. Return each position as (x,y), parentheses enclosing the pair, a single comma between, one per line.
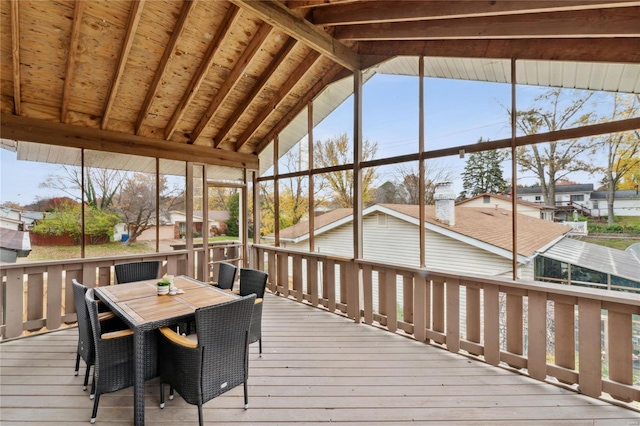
(59,134)
(132,25)
(300,71)
(235,75)
(187,8)
(305,4)
(194,85)
(280,17)
(15,55)
(71,58)
(255,91)
(615,50)
(337,72)
(618,22)
(370,12)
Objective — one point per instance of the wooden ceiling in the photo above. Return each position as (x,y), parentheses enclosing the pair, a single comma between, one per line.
(216,81)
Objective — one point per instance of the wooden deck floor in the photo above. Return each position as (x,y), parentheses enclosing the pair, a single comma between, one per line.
(316,368)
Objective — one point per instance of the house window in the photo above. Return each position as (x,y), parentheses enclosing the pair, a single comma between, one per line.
(595,205)
(577,197)
(486,199)
(538,197)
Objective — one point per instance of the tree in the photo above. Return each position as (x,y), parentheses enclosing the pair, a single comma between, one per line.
(554,109)
(336,152)
(136,202)
(101,185)
(66,219)
(622,149)
(483,174)
(233,223)
(408,182)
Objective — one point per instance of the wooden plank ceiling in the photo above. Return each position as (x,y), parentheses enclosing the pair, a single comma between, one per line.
(216,81)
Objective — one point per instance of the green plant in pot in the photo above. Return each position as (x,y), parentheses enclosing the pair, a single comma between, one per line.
(163,286)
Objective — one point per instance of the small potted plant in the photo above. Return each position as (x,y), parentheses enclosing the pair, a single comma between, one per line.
(163,286)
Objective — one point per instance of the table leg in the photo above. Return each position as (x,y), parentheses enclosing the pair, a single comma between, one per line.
(138,402)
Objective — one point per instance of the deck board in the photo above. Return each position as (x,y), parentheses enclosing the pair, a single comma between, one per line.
(316,368)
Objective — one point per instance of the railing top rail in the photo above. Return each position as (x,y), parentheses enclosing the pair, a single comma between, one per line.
(303,253)
(632,299)
(149,256)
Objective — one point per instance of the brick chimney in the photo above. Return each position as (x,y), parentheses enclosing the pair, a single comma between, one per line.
(445,201)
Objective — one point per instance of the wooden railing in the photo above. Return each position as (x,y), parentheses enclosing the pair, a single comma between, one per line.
(219,251)
(550,332)
(38,296)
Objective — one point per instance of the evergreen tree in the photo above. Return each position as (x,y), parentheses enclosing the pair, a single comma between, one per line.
(483,174)
(233,226)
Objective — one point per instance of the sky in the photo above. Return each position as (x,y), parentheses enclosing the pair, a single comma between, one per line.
(457,112)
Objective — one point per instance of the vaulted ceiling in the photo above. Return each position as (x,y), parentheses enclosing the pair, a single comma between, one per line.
(216,81)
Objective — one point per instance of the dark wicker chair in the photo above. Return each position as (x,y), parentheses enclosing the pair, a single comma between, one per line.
(137,271)
(211,362)
(108,320)
(253,281)
(114,356)
(226,276)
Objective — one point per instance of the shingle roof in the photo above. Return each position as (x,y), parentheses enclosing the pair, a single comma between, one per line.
(301,229)
(625,194)
(582,187)
(493,226)
(488,225)
(14,240)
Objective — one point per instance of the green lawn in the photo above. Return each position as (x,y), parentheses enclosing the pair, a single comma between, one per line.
(615,243)
(39,253)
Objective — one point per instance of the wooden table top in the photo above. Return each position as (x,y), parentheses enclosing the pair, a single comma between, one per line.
(141,302)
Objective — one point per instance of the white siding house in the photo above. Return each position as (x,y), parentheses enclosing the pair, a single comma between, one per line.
(627,203)
(504,202)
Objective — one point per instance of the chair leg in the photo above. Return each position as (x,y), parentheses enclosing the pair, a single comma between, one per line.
(161,395)
(95,409)
(246,396)
(86,378)
(93,386)
(200,420)
(78,364)
(260,347)
(170,393)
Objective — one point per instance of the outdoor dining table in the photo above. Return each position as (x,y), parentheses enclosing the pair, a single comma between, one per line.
(143,310)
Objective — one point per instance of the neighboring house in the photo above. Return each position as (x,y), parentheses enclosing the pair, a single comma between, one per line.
(627,203)
(584,200)
(10,219)
(526,208)
(474,240)
(217,222)
(566,195)
(13,244)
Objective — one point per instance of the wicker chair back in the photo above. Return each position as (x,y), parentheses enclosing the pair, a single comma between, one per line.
(137,271)
(226,276)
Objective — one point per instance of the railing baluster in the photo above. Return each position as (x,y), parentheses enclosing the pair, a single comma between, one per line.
(514,325)
(537,335)
(620,350)
(390,290)
(492,325)
(473,315)
(54,297)
(590,367)
(297,277)
(312,279)
(421,307)
(453,315)
(367,293)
